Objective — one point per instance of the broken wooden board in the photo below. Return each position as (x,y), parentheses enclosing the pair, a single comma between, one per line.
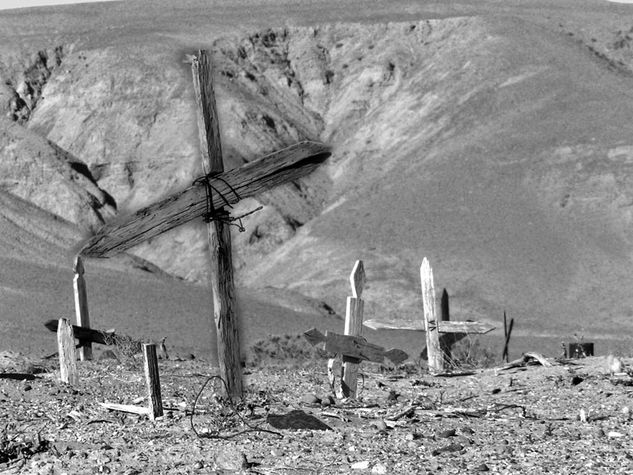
(228,188)
(354,347)
(443,327)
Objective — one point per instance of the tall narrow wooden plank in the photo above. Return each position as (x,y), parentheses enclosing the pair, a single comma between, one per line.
(434,351)
(81,307)
(219,234)
(446,340)
(354,327)
(152,378)
(66,350)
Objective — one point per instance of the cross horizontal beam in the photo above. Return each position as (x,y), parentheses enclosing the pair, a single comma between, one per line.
(443,326)
(353,346)
(229,187)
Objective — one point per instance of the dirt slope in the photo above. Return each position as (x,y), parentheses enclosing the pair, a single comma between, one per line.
(492,139)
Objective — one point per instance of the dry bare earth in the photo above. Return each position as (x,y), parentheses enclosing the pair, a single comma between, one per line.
(525,420)
(492,138)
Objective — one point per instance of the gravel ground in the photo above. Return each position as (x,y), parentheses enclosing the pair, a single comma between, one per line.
(570,417)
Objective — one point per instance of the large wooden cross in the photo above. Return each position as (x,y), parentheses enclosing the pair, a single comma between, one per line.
(209,196)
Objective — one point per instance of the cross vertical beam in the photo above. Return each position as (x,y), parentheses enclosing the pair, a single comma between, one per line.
(353,326)
(431,322)
(219,233)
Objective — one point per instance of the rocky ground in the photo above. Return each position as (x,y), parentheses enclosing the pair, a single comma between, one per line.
(570,417)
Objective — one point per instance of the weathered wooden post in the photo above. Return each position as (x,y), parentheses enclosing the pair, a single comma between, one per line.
(354,327)
(152,378)
(219,233)
(446,339)
(433,348)
(66,350)
(81,307)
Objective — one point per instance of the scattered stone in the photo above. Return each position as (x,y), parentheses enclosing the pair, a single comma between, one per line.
(381,425)
(576,380)
(277,453)
(482,468)
(447,448)
(310,398)
(467,430)
(379,469)
(364,465)
(614,435)
(296,419)
(445,434)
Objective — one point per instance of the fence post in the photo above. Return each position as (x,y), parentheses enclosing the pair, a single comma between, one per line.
(66,350)
(81,307)
(353,326)
(155,401)
(446,339)
(434,351)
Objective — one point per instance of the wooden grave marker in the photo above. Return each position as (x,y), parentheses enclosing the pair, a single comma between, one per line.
(351,346)
(81,307)
(208,197)
(66,350)
(432,325)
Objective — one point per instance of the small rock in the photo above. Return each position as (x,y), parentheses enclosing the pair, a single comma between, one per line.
(614,435)
(467,430)
(576,380)
(379,469)
(448,448)
(626,413)
(28,387)
(277,453)
(198,465)
(381,425)
(364,465)
(482,468)
(310,398)
(496,391)
(445,434)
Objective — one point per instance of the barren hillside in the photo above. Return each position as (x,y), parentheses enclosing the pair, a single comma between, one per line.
(492,137)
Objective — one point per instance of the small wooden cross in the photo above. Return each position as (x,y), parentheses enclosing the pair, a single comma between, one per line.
(209,196)
(437,346)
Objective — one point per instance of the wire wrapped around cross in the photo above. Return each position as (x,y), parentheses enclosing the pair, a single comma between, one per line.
(221,215)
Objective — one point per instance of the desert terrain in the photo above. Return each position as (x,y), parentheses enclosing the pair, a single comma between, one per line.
(493,137)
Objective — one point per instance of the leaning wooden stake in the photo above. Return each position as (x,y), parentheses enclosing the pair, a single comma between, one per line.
(66,349)
(81,307)
(219,233)
(354,327)
(434,350)
(152,378)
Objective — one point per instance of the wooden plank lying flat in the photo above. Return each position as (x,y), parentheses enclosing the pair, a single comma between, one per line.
(444,327)
(230,187)
(126,408)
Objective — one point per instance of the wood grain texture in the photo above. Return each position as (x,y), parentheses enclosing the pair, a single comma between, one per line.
(82,314)
(443,327)
(436,357)
(152,380)
(255,177)
(66,350)
(219,235)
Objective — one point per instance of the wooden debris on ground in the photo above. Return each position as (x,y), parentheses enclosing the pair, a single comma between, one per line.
(529,358)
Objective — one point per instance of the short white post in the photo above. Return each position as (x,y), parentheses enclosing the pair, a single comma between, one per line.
(81,307)
(66,350)
(433,348)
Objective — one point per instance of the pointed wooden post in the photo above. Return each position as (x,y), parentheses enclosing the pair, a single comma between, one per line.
(434,351)
(446,339)
(152,378)
(81,307)
(66,350)
(219,233)
(354,327)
